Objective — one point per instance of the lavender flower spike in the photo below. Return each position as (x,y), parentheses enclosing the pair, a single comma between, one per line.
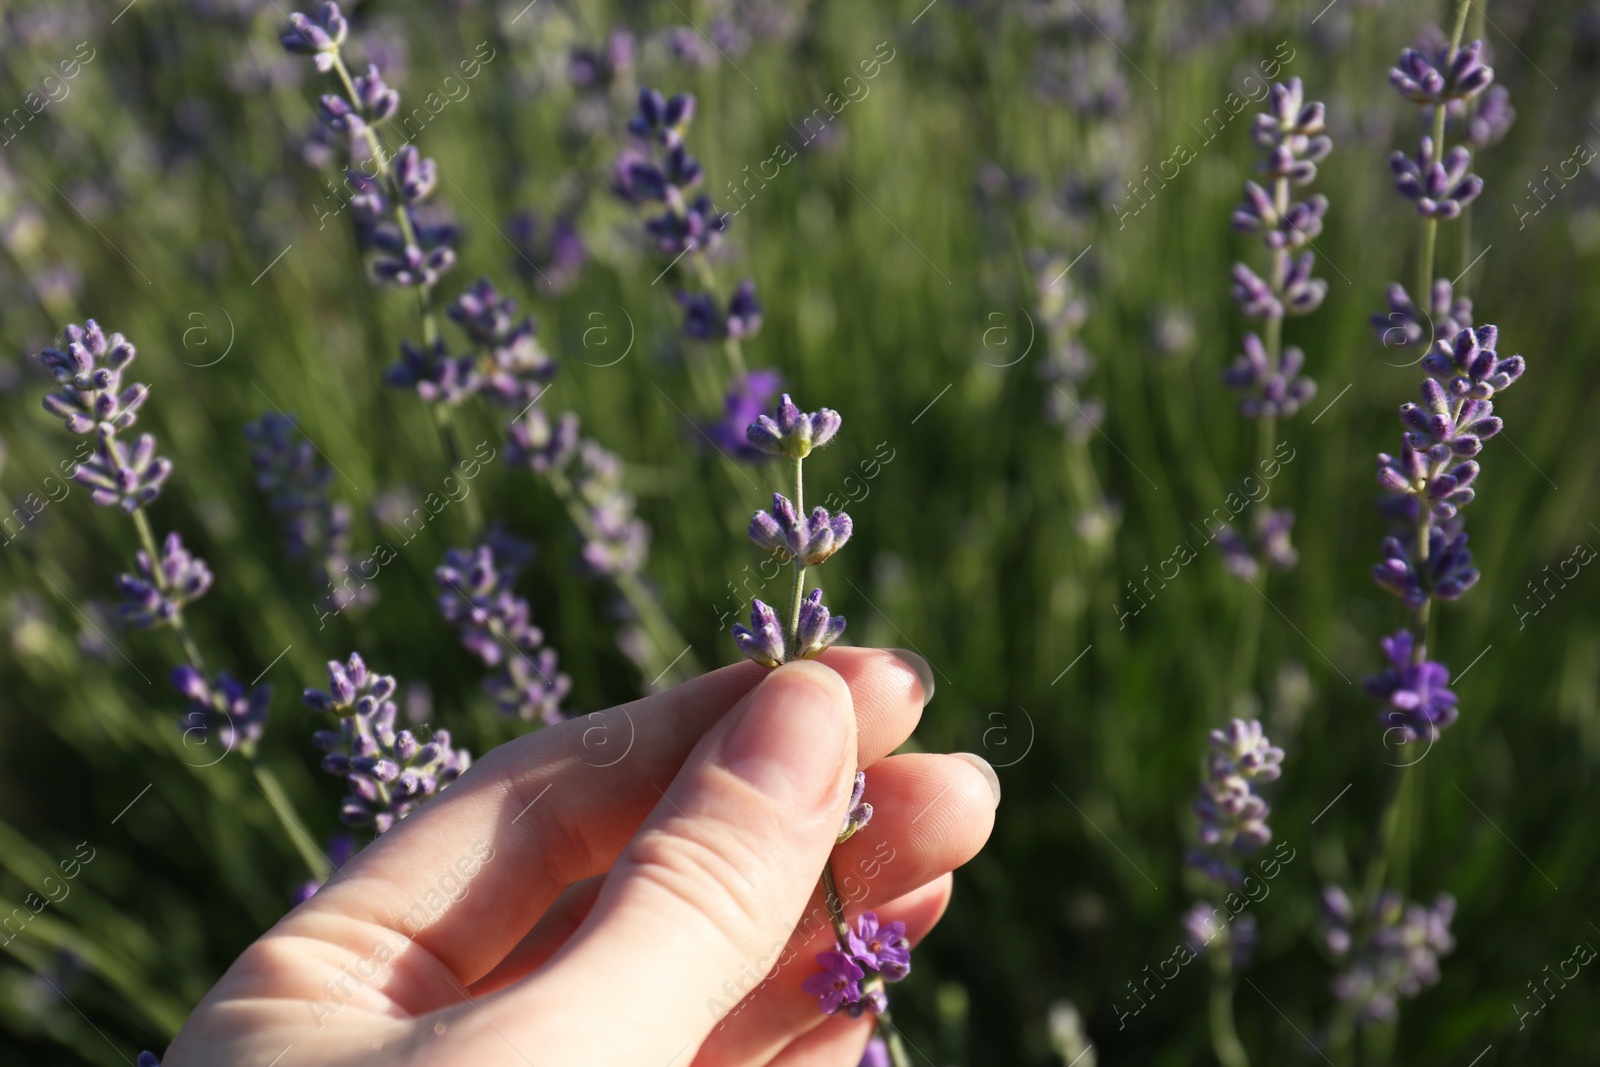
(793,433)
(762,640)
(89,374)
(1440,190)
(235,713)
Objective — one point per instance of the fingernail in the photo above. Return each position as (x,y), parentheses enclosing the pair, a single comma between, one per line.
(984,769)
(920,668)
(790,740)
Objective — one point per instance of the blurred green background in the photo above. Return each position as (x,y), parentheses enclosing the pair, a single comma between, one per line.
(168,193)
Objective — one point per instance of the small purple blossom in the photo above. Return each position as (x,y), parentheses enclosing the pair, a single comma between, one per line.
(884,949)
(786,535)
(858,812)
(123,477)
(389,772)
(1405,325)
(1411,474)
(838,984)
(1266,390)
(541,443)
(1445,575)
(791,432)
(89,376)
(1398,959)
(1431,74)
(1440,189)
(156,593)
(1232,815)
(1268,545)
(874,954)
(1468,365)
(318,35)
(1415,690)
(1444,429)
(227,709)
(761,641)
(818,629)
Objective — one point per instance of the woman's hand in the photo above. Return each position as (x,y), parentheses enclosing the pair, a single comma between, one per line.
(614,891)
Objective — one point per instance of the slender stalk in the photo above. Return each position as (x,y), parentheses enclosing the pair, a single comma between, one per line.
(279,802)
(891,1037)
(830,896)
(792,638)
(663,634)
(1224,1038)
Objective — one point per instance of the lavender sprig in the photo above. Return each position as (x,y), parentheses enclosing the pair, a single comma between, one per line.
(390,772)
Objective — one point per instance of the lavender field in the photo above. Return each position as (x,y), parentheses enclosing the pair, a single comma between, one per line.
(1200,393)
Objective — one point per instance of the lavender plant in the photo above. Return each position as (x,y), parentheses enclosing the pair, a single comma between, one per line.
(868,956)
(1390,949)
(503,363)
(92,400)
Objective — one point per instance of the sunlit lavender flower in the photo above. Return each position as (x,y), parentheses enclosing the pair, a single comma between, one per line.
(1265,389)
(1405,325)
(1399,959)
(233,713)
(389,773)
(788,536)
(1414,688)
(89,374)
(791,432)
(152,599)
(761,641)
(854,979)
(1440,190)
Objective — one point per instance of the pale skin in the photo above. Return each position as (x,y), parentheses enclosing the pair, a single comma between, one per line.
(615,890)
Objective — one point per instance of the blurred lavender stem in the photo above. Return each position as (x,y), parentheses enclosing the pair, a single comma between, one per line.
(1224,1037)
(663,634)
(280,803)
(792,639)
(730,345)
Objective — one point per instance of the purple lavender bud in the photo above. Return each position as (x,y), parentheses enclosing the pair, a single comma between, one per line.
(541,444)
(1440,190)
(318,35)
(1403,326)
(818,628)
(415,175)
(1468,365)
(1430,74)
(378,102)
(1443,429)
(1232,817)
(1419,702)
(1491,120)
(698,228)
(857,813)
(1268,544)
(89,374)
(338,114)
(1302,294)
(1254,296)
(1267,390)
(811,540)
(118,476)
(1447,573)
(762,640)
(876,1054)
(747,396)
(148,1059)
(228,710)
(791,432)
(158,591)
(744,311)
(531,687)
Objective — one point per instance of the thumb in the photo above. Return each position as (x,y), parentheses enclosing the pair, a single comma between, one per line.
(702,901)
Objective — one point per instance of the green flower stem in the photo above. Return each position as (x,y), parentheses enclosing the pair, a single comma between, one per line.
(1224,1037)
(663,634)
(891,1037)
(147,540)
(280,803)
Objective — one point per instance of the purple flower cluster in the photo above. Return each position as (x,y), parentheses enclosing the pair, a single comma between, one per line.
(504,363)
(387,188)
(659,169)
(704,320)
(91,398)
(156,594)
(1413,689)
(1398,958)
(1291,133)
(1406,326)
(496,626)
(291,474)
(1271,387)
(1439,187)
(226,709)
(389,772)
(1231,813)
(804,541)
(853,975)
(747,397)
(1267,547)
